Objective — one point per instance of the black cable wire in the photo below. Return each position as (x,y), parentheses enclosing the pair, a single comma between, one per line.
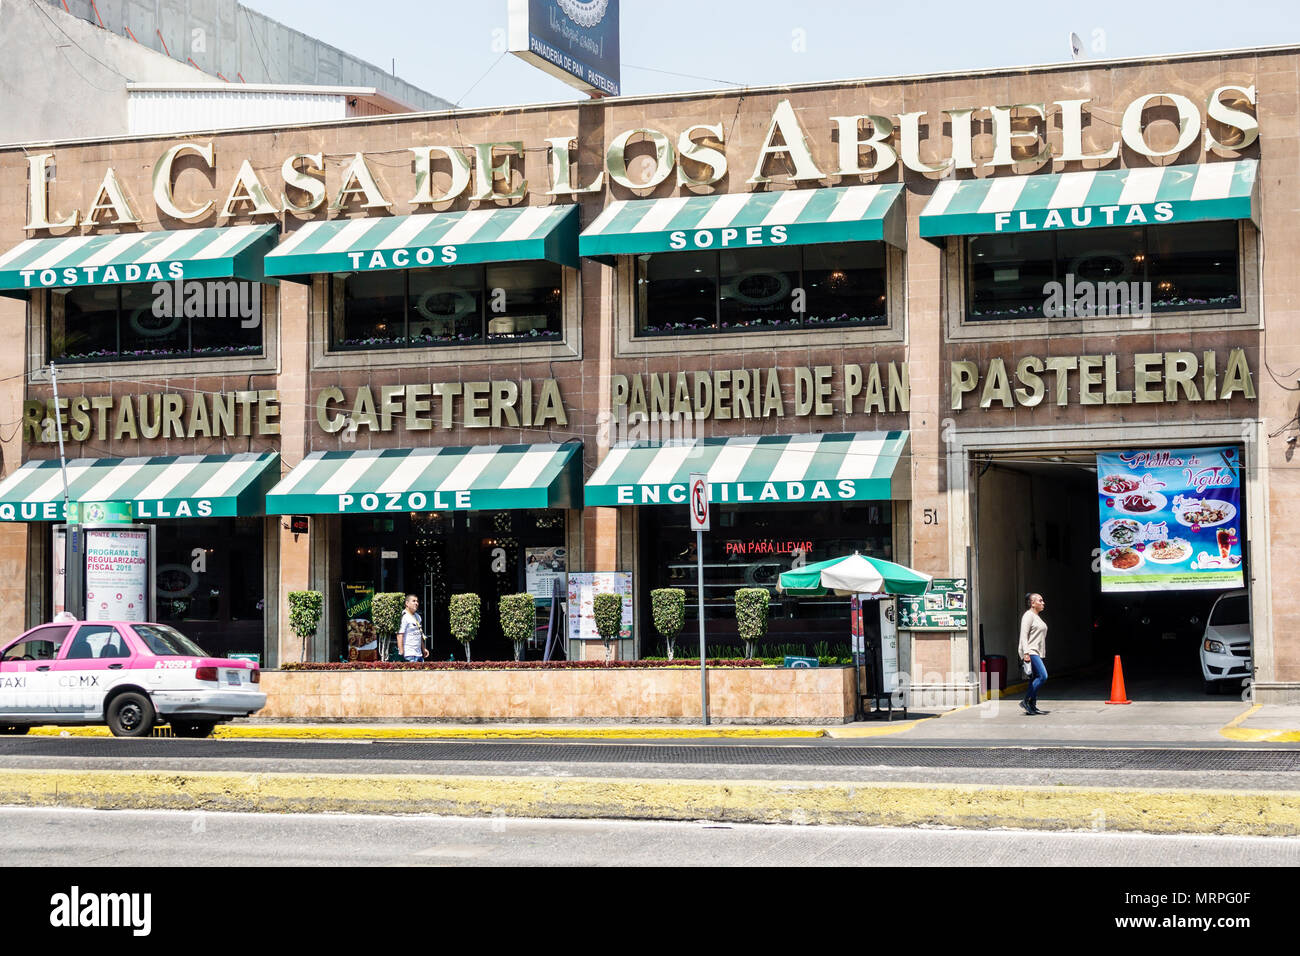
(689,76)
(252,32)
(462,96)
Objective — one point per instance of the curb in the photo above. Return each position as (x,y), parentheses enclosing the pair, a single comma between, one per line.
(855,730)
(1234,731)
(1235,812)
(434,732)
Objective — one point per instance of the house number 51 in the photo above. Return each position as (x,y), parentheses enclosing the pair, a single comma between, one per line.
(931,515)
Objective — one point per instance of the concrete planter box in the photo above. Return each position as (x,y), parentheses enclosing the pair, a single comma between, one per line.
(738,695)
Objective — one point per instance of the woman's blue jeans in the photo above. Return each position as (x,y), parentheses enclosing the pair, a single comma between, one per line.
(1040,678)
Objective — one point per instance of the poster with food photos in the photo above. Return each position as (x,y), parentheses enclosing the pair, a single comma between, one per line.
(1170,519)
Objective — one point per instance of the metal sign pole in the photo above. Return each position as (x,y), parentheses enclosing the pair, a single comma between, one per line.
(704,676)
(697,506)
(74,557)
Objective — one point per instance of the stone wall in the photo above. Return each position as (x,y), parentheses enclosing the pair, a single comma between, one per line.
(740,695)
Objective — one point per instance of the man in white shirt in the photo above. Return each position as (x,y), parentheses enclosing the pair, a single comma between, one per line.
(410,636)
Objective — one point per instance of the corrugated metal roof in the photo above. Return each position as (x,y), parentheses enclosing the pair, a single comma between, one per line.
(153,108)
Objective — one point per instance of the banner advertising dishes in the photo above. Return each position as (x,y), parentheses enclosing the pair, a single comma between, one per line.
(117,575)
(1170,519)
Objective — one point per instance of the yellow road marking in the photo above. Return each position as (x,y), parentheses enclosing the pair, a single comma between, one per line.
(1234,731)
(435,732)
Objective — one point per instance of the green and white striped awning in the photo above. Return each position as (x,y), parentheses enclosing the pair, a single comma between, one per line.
(475,478)
(431,239)
(857,466)
(165,486)
(1092,199)
(747,221)
(235,252)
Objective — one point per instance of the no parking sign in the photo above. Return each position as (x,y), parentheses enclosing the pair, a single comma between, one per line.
(698,502)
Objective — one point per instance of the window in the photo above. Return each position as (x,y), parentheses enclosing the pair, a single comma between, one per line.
(749,547)
(1231,610)
(1186,267)
(209,582)
(165,641)
(132,323)
(451,305)
(41,645)
(95,641)
(781,287)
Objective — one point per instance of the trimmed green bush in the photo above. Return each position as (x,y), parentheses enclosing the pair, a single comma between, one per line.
(305,611)
(518,620)
(751,616)
(466,614)
(668,607)
(608,612)
(386,614)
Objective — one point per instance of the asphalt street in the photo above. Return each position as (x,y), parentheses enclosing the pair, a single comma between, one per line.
(195,838)
(1242,767)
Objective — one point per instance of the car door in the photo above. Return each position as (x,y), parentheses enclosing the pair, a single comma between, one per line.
(26,688)
(86,668)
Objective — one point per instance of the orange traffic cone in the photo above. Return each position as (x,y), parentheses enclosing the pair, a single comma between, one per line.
(1117,695)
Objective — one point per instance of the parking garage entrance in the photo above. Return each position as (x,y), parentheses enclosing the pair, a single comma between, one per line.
(1048,522)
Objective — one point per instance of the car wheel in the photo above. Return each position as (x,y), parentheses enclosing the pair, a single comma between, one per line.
(14,730)
(193,728)
(131,715)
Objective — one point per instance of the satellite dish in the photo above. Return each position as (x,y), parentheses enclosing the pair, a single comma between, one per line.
(1076,46)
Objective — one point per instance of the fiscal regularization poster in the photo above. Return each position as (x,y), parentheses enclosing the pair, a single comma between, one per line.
(117,575)
(1170,519)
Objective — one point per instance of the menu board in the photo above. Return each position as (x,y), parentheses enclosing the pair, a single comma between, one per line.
(356,600)
(942,608)
(117,575)
(542,566)
(583,588)
(1170,519)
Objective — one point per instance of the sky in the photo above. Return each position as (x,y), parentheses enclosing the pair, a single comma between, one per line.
(455,49)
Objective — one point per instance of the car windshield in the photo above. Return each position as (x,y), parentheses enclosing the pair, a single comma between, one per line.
(168,642)
(1231,610)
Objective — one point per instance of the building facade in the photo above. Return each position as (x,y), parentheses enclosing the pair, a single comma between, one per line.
(479,349)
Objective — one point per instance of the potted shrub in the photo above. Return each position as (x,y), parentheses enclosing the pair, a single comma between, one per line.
(465,613)
(668,607)
(751,616)
(518,619)
(608,611)
(386,613)
(305,611)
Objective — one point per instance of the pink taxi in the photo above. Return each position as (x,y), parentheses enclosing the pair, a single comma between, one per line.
(131,676)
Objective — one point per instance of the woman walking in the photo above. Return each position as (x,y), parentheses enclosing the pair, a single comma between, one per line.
(1033,650)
